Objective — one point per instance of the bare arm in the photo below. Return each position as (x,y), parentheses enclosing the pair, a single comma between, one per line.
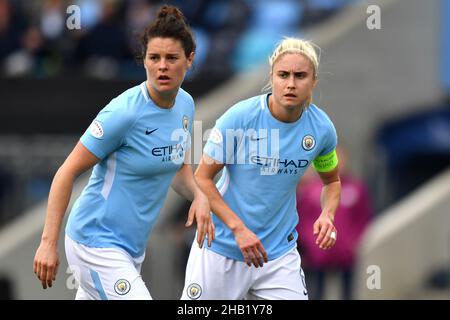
(330,197)
(249,244)
(46,260)
(184,184)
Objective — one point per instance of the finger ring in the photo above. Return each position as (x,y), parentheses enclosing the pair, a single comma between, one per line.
(333,235)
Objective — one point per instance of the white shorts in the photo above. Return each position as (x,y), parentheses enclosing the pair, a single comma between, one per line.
(211,276)
(105,273)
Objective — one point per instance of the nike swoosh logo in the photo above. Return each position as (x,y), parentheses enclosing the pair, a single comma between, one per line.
(257,139)
(147,132)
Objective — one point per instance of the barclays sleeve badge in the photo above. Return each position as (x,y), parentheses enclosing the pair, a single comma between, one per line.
(96,129)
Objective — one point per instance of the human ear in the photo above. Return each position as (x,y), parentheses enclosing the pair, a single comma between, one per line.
(190,59)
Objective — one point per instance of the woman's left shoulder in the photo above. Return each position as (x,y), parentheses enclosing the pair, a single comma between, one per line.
(319,113)
(185,96)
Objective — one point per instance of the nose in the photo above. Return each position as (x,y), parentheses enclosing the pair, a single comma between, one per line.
(162,64)
(291,82)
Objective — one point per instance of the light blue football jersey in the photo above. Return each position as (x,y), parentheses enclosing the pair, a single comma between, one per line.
(264,160)
(141,147)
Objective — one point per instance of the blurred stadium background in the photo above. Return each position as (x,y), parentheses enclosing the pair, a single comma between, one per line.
(387,91)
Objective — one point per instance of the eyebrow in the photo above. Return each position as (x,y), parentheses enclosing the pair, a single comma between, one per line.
(167,53)
(284,71)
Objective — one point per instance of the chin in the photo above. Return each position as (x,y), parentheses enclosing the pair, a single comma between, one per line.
(292,107)
(166,89)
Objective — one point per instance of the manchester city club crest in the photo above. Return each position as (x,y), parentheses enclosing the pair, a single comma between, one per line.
(308,142)
(194,291)
(122,286)
(185,123)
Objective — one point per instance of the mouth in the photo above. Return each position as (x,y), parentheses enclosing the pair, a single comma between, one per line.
(290,96)
(163,79)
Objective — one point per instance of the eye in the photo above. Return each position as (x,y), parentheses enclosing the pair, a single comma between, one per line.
(283,75)
(301,75)
(153,58)
(172,58)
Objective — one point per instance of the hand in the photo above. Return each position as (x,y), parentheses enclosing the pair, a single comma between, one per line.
(46,262)
(201,211)
(325,231)
(251,247)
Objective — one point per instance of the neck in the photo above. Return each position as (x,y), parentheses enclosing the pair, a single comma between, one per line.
(285,114)
(164,100)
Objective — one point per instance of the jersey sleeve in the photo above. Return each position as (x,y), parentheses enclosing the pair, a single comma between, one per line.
(330,141)
(108,130)
(224,138)
(327,159)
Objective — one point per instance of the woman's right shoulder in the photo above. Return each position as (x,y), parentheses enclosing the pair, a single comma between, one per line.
(125,105)
(243,109)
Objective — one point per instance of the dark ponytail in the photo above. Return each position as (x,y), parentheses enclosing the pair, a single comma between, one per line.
(169,23)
